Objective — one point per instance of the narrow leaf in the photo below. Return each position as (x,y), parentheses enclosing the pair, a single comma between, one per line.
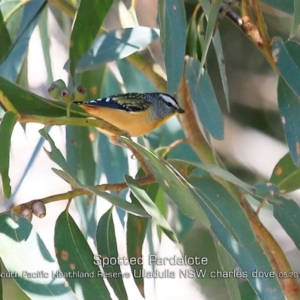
(296,21)
(57,157)
(212,13)
(114,200)
(116,44)
(151,209)
(22,101)
(237,237)
(89,18)
(286,6)
(76,258)
(107,248)
(289,69)
(10,67)
(80,159)
(204,97)
(172,22)
(7,125)
(287,213)
(171,182)
(5,40)
(27,259)
(227,265)
(289,107)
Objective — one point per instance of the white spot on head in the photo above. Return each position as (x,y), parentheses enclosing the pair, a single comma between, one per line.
(169,99)
(283,120)
(107,99)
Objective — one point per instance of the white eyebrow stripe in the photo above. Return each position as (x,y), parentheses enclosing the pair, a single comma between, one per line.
(169,100)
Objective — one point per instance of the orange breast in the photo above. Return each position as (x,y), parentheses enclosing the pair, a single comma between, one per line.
(135,123)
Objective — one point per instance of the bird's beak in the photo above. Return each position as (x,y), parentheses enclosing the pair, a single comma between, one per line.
(180,110)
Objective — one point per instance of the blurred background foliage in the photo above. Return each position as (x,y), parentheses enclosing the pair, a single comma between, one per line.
(35,39)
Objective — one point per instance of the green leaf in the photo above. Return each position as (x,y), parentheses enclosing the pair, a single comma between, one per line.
(221,63)
(107,248)
(212,12)
(114,200)
(76,258)
(6,128)
(116,44)
(89,18)
(204,97)
(237,237)
(151,209)
(286,175)
(56,156)
(136,228)
(287,213)
(289,107)
(28,261)
(172,22)
(22,101)
(286,6)
(5,40)
(137,82)
(10,67)
(296,21)
(171,182)
(80,158)
(285,61)
(216,38)
(215,170)
(227,265)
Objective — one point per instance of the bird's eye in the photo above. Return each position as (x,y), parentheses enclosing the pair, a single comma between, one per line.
(168,104)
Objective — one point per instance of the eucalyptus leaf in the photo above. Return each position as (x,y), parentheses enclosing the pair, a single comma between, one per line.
(107,248)
(29,262)
(204,97)
(289,107)
(86,27)
(237,237)
(77,259)
(116,44)
(151,208)
(286,175)
(6,127)
(172,22)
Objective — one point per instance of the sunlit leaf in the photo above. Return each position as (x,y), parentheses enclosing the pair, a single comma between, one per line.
(25,257)
(11,66)
(116,44)
(75,257)
(80,158)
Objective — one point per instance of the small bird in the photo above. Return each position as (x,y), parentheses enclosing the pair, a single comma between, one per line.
(136,113)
